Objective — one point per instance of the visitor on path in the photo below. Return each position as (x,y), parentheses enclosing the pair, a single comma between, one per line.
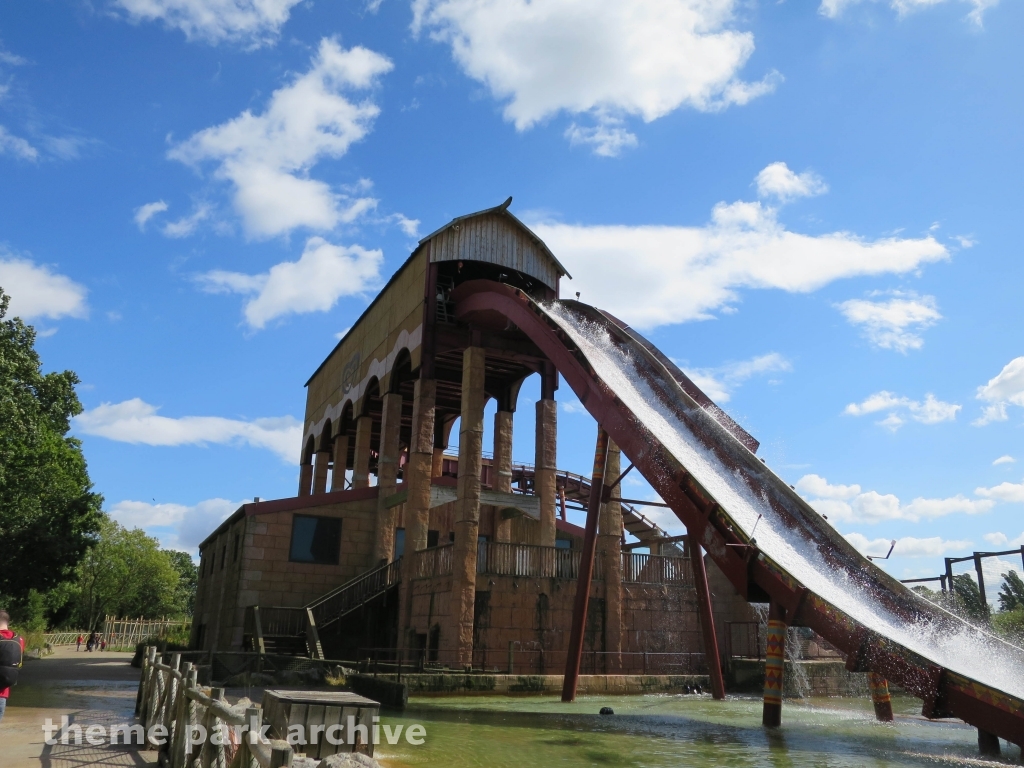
(78,643)
(103,644)
(91,642)
(12,650)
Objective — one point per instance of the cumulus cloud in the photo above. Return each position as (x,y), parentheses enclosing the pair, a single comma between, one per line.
(1004,460)
(137,422)
(36,291)
(267,157)
(604,59)
(895,323)
(254,22)
(931,411)
(719,383)
(1006,388)
(776,180)
(186,225)
(145,212)
(848,503)
(834,8)
(177,526)
(680,273)
(323,274)
(1003,492)
(17,146)
(908,546)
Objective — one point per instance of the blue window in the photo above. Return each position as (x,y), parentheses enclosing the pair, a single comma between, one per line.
(315,539)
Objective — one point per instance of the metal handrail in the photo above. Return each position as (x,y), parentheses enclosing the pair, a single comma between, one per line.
(656,569)
(351,595)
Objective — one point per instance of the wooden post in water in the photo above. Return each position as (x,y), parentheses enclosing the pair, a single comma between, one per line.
(880,697)
(774,667)
(579,612)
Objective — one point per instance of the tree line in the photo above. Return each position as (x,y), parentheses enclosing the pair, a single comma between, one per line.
(65,562)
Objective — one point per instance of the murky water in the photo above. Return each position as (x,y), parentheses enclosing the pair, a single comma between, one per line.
(661,730)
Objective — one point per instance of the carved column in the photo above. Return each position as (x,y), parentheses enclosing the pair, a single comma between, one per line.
(545,468)
(502,469)
(305,478)
(387,476)
(610,548)
(323,459)
(361,461)
(417,480)
(467,506)
(340,460)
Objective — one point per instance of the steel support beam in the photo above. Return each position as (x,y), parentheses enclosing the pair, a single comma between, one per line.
(707,619)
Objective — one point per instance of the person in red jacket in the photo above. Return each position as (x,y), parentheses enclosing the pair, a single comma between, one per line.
(7,634)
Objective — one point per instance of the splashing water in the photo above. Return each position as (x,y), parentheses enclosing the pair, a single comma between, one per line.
(947,641)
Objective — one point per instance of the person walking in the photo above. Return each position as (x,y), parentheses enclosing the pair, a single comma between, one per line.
(91,642)
(12,651)
(78,643)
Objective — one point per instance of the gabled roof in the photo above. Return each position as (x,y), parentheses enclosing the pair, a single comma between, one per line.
(503,211)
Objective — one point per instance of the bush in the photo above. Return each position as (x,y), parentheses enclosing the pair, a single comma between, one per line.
(163,645)
(1010,625)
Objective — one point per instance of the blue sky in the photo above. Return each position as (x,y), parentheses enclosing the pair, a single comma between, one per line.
(810,208)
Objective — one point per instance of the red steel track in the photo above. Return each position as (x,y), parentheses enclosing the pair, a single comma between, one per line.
(753,572)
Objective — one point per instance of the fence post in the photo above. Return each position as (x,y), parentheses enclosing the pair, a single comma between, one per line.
(511,644)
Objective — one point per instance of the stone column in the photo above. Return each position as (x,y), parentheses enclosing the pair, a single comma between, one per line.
(609,532)
(417,480)
(467,507)
(387,476)
(361,462)
(774,666)
(323,459)
(305,478)
(545,468)
(340,460)
(437,463)
(502,469)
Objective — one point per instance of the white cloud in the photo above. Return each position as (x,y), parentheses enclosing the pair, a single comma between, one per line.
(1004,460)
(177,526)
(1003,492)
(254,22)
(1006,388)
(834,8)
(848,503)
(36,291)
(572,405)
(14,145)
(136,421)
(931,411)
(679,273)
(186,225)
(409,227)
(718,383)
(605,58)
(776,180)
(908,546)
(323,274)
(267,157)
(996,539)
(896,323)
(145,212)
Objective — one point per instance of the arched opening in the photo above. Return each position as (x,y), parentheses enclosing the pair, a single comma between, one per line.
(373,407)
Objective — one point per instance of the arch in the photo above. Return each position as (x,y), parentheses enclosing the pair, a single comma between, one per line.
(401,371)
(326,438)
(371,395)
(309,450)
(346,421)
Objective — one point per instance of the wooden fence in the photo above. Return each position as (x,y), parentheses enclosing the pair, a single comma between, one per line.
(53,639)
(169,697)
(125,634)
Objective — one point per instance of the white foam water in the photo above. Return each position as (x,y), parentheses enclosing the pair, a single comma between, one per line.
(947,641)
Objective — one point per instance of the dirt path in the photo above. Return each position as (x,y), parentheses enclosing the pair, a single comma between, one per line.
(88,689)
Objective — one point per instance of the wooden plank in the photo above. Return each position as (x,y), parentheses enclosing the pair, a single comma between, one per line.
(314,716)
(366,718)
(332,717)
(346,713)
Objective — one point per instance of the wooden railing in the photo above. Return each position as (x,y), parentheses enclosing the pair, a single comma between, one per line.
(436,561)
(656,569)
(54,639)
(127,633)
(354,593)
(170,697)
(529,560)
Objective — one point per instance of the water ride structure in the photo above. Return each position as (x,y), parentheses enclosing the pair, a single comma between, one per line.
(490,315)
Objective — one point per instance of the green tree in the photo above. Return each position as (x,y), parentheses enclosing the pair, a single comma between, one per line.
(188,574)
(48,512)
(1011,593)
(125,574)
(968,598)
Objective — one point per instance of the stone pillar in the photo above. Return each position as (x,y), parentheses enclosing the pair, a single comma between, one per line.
(609,546)
(880,697)
(305,478)
(387,476)
(502,470)
(437,462)
(774,666)
(545,463)
(323,459)
(340,460)
(417,480)
(361,461)
(467,507)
